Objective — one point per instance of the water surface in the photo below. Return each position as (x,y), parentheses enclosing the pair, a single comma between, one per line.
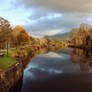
(59,71)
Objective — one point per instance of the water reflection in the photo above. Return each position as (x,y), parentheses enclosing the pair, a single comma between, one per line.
(32,55)
(83,58)
(50,71)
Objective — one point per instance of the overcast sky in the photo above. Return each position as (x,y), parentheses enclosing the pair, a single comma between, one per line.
(47,17)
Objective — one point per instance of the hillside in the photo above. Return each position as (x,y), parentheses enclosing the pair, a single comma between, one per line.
(64,36)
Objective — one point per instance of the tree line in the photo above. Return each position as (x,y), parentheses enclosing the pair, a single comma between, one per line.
(82,36)
(12,37)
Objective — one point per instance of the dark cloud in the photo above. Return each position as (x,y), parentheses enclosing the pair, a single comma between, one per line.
(61,5)
(48,15)
(65,21)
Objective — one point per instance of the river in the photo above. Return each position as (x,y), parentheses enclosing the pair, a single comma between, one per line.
(65,70)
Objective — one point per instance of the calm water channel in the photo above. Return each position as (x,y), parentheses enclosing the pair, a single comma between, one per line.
(59,71)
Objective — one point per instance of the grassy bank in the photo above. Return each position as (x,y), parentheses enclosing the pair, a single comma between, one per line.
(5,61)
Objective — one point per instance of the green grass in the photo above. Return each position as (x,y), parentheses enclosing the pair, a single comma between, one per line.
(5,61)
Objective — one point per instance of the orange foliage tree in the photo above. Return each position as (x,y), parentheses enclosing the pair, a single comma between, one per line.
(22,37)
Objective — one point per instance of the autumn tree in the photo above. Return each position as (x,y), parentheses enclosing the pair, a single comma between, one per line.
(22,37)
(32,40)
(5,32)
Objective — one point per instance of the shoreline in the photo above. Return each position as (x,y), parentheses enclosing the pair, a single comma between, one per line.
(14,73)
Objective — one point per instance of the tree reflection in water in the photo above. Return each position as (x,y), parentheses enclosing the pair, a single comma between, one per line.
(83,58)
(32,55)
(78,56)
(71,79)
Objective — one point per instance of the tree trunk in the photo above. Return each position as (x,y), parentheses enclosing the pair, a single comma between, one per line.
(7,49)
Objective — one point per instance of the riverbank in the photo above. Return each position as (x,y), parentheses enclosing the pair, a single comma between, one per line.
(7,61)
(11,75)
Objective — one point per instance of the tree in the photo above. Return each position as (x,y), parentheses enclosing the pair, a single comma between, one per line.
(22,37)
(5,32)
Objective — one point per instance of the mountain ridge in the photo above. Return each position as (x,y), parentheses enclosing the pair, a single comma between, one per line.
(61,36)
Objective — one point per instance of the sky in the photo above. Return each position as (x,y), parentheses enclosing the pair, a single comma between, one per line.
(47,17)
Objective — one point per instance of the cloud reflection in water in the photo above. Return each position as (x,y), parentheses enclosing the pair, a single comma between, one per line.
(43,63)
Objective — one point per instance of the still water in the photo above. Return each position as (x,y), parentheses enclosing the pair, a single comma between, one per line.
(59,71)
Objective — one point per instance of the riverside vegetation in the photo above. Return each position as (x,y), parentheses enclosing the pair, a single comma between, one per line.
(15,44)
(17,48)
(82,37)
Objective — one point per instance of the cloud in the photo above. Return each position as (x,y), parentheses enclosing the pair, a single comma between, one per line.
(56,22)
(60,5)
(48,17)
(44,32)
(44,25)
(15,15)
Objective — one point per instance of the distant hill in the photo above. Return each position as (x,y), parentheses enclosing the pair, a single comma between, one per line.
(63,36)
